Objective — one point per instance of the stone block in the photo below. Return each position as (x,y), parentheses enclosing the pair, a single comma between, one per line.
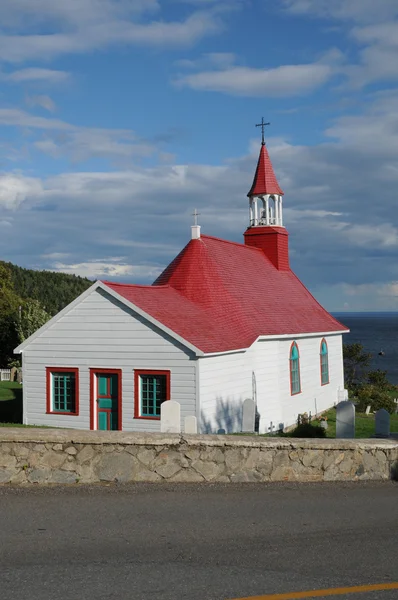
(116,467)
(246,477)
(19,478)
(71,450)
(168,469)
(7,460)
(213,454)
(6,475)
(313,458)
(59,476)
(187,476)
(210,471)
(51,459)
(85,455)
(146,456)
(39,475)
(58,447)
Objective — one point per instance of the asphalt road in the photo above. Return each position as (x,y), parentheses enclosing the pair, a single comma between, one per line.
(205,542)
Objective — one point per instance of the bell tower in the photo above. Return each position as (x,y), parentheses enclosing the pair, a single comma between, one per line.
(266,230)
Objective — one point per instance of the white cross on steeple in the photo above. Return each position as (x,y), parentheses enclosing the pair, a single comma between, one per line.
(195,215)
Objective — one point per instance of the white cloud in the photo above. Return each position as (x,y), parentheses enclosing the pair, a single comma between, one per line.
(76,26)
(15,188)
(44,101)
(78,143)
(362,11)
(36,74)
(286,80)
(108,268)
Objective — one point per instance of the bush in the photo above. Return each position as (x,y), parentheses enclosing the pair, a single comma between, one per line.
(377,398)
(306,430)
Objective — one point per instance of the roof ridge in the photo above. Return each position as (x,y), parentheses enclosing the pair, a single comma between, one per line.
(213,237)
(135,285)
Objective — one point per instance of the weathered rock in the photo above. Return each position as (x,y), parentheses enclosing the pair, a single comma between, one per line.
(58,447)
(146,456)
(168,469)
(58,476)
(118,467)
(209,470)
(39,475)
(6,475)
(51,459)
(71,450)
(85,455)
(246,477)
(313,458)
(7,460)
(187,476)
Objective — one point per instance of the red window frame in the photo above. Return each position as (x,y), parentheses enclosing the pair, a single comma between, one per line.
(49,408)
(294,344)
(320,360)
(137,374)
(117,372)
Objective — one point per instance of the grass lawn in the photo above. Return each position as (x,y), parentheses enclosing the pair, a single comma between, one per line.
(10,404)
(364,424)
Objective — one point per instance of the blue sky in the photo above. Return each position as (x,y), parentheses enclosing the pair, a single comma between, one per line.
(119,117)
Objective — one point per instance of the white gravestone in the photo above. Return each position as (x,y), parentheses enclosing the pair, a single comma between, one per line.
(248,415)
(170,417)
(368,409)
(190,425)
(345,420)
(382,420)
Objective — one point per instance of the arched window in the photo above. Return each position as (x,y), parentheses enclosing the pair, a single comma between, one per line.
(295,386)
(324,363)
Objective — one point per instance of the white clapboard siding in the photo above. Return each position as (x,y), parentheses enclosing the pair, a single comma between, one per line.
(102,333)
(226,380)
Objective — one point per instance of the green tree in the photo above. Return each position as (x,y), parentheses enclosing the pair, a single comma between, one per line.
(375,397)
(379,379)
(356,363)
(32,317)
(9,307)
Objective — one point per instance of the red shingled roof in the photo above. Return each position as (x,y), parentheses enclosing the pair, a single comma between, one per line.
(264,181)
(221,296)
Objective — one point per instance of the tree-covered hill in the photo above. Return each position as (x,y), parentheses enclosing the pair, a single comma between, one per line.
(28,299)
(54,291)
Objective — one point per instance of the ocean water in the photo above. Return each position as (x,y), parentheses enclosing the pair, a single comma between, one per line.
(376,332)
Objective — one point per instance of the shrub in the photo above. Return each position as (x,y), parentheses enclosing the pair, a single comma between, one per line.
(306,430)
(377,398)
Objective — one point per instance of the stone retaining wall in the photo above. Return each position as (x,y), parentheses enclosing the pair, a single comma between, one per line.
(64,456)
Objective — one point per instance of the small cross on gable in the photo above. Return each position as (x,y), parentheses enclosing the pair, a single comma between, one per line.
(195,215)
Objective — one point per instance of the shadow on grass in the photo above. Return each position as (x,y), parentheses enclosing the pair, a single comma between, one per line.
(11,410)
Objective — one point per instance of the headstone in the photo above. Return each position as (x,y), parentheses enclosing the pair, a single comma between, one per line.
(382,420)
(190,425)
(368,409)
(19,376)
(248,416)
(14,372)
(345,420)
(271,427)
(221,432)
(170,417)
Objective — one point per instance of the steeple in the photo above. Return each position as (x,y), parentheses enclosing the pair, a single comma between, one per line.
(266,230)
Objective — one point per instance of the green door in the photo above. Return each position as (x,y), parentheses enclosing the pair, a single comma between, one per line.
(107,401)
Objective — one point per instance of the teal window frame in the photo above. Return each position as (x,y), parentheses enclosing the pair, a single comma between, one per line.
(152,388)
(294,360)
(63,391)
(324,362)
